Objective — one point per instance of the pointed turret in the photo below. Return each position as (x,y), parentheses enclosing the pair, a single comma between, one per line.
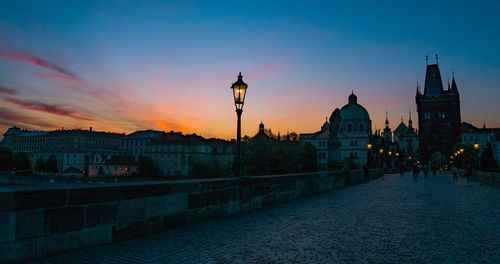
(454,88)
(433,83)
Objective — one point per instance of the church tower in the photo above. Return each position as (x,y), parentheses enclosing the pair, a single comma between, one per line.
(438,116)
(387,130)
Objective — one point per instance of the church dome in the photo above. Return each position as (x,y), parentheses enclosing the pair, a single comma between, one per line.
(353,110)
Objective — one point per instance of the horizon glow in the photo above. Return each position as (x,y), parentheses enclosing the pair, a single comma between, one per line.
(123,66)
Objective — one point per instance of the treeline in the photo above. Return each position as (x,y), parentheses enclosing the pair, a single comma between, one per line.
(270,156)
(10,161)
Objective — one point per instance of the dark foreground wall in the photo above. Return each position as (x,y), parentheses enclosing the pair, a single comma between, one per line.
(40,222)
(487,177)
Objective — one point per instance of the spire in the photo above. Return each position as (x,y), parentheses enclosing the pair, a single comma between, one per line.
(484,125)
(410,123)
(386,120)
(448,83)
(436,59)
(454,84)
(426,60)
(418,91)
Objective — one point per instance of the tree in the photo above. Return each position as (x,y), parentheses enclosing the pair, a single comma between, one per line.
(145,166)
(51,164)
(487,161)
(309,158)
(20,161)
(5,159)
(199,169)
(39,164)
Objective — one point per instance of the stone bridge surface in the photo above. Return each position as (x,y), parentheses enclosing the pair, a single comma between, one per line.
(390,220)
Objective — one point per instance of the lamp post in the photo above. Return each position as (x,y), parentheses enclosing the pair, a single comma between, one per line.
(239,91)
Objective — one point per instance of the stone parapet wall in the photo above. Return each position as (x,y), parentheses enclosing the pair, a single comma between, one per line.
(487,177)
(41,222)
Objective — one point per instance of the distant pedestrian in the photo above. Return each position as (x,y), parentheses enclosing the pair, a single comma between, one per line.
(455,174)
(468,173)
(434,169)
(426,170)
(415,171)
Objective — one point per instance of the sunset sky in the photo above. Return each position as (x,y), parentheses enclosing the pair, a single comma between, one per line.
(122,66)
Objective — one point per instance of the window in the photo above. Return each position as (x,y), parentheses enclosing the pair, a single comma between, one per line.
(427,115)
(361,127)
(349,127)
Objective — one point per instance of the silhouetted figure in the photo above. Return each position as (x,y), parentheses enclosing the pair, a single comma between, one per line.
(415,171)
(367,172)
(426,170)
(468,173)
(454,170)
(434,169)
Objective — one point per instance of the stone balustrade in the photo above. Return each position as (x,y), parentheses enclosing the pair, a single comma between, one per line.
(41,221)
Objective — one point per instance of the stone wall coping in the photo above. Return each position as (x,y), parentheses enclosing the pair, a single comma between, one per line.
(70,186)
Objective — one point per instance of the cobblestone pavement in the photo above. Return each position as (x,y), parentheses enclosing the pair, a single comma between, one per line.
(390,220)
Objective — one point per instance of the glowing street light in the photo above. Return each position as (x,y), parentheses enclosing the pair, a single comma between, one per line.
(381,151)
(239,92)
(461,150)
(476,146)
(369,146)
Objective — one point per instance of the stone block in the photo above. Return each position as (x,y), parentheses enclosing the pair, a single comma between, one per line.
(139,228)
(28,200)
(62,220)
(57,243)
(233,207)
(100,214)
(167,204)
(5,201)
(132,210)
(199,200)
(256,203)
(185,187)
(94,195)
(7,226)
(17,250)
(139,191)
(30,224)
(175,220)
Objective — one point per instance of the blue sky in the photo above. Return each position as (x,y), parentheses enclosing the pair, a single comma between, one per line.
(168,65)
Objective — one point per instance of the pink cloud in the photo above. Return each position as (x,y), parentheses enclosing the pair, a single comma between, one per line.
(18,56)
(4,90)
(42,107)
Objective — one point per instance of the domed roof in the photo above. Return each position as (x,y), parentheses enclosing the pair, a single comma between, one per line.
(353,111)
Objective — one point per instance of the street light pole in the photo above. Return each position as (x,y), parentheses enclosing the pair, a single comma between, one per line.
(239,92)
(239,167)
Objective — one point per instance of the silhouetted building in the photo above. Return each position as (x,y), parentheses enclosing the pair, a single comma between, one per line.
(345,136)
(482,136)
(406,139)
(173,152)
(320,141)
(135,143)
(438,117)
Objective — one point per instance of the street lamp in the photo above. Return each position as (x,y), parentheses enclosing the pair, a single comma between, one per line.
(462,150)
(381,151)
(369,146)
(476,146)
(239,92)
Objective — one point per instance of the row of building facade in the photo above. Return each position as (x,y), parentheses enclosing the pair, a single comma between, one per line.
(91,153)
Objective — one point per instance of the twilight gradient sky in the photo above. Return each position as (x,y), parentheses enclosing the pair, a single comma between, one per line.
(129,65)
